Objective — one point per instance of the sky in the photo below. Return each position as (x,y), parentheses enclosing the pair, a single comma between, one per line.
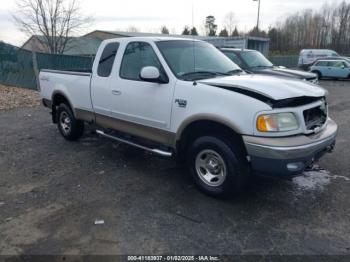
(150,15)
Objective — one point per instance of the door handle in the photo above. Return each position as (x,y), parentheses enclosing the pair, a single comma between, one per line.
(116,92)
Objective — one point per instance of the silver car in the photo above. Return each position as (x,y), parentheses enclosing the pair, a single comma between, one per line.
(339,69)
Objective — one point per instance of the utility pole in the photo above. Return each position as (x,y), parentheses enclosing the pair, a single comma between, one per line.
(257,23)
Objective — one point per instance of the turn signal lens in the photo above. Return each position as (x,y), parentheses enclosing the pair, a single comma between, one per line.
(277,122)
(266,123)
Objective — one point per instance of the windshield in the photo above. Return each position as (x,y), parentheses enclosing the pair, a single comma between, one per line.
(255,59)
(194,60)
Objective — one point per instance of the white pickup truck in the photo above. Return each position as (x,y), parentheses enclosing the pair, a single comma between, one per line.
(184,98)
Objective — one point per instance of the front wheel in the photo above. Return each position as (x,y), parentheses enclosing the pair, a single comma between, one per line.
(217,166)
(319,75)
(69,127)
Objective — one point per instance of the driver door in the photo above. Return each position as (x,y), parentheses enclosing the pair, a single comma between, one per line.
(144,104)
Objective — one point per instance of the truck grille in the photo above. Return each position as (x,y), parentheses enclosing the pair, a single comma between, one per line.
(315,117)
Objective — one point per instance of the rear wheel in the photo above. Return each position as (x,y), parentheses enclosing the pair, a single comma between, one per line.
(69,127)
(217,166)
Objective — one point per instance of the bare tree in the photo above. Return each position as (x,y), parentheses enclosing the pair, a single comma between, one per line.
(230,22)
(55,20)
(326,28)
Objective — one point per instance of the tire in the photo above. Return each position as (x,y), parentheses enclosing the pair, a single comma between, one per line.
(70,127)
(217,166)
(318,73)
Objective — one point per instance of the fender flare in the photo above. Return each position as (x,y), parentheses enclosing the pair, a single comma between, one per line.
(59,92)
(205,117)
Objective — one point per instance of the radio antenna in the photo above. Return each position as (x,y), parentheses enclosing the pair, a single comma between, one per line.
(194,46)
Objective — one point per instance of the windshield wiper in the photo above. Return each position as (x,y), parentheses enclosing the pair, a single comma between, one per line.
(262,66)
(234,71)
(211,73)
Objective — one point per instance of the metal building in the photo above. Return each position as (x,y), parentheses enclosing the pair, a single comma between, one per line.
(88,44)
(257,43)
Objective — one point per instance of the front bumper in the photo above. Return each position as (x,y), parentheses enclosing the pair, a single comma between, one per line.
(285,156)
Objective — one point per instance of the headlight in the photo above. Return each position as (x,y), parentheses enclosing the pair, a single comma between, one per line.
(280,122)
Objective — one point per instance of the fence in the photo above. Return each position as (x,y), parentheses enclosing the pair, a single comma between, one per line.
(18,67)
(290,61)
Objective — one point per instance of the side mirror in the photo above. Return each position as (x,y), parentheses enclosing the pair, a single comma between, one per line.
(151,74)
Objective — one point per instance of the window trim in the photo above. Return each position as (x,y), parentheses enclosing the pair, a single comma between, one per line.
(166,80)
(115,56)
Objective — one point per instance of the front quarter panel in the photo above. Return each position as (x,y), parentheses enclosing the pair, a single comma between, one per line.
(204,102)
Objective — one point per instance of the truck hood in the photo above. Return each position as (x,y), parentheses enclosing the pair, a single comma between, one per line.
(274,88)
(284,72)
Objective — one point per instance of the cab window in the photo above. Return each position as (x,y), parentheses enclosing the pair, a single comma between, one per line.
(234,58)
(322,63)
(138,55)
(338,64)
(107,59)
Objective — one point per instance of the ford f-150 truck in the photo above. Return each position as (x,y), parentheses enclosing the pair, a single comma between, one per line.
(186,99)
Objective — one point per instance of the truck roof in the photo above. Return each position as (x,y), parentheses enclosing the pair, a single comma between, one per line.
(235,49)
(150,38)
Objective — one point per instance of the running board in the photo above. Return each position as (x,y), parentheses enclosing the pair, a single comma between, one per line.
(153,150)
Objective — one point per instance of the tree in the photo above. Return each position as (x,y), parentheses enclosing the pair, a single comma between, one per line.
(193,31)
(223,33)
(257,32)
(210,26)
(235,32)
(133,29)
(186,31)
(328,28)
(55,20)
(229,22)
(164,30)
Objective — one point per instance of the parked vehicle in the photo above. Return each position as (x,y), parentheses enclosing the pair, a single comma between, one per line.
(254,62)
(339,69)
(308,56)
(347,59)
(185,99)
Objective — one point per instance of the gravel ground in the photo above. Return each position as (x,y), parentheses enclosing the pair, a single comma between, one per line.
(14,97)
(52,192)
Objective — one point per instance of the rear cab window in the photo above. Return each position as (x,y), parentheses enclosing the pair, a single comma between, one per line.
(107,59)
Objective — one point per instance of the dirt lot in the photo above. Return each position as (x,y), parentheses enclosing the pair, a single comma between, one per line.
(14,97)
(52,191)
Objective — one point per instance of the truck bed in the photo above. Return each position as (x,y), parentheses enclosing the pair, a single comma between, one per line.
(72,84)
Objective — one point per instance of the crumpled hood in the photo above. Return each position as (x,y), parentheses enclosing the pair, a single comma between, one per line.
(272,87)
(277,71)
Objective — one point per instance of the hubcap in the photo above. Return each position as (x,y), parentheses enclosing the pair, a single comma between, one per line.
(65,123)
(210,167)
